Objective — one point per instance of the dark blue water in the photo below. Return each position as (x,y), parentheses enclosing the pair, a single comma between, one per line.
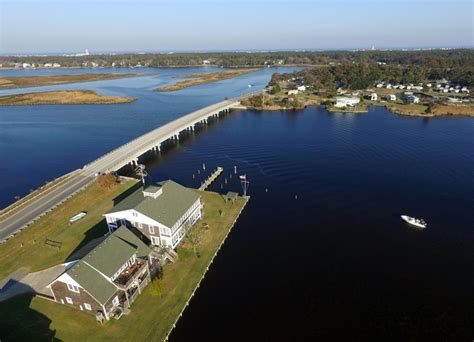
(40,143)
(320,252)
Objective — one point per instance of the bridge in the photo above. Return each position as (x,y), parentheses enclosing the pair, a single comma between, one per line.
(128,154)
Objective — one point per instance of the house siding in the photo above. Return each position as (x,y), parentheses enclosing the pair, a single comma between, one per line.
(61,291)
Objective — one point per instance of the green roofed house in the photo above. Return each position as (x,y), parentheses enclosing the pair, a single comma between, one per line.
(109,278)
(161,212)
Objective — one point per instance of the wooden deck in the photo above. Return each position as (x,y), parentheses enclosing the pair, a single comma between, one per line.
(211,178)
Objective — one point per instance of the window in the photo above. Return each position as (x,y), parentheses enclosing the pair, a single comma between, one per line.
(69,300)
(135,214)
(165,231)
(115,302)
(73,288)
(155,240)
(152,229)
(87,306)
(140,225)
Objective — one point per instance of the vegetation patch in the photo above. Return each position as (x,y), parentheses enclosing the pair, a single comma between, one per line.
(202,78)
(37,81)
(61,97)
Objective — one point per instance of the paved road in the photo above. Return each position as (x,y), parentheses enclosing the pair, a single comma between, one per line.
(111,161)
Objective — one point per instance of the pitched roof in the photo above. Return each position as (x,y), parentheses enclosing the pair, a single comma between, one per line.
(106,259)
(166,209)
(92,281)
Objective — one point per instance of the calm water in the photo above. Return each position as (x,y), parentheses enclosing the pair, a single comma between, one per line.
(39,143)
(320,251)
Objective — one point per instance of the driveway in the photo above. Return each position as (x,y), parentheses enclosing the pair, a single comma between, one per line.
(35,282)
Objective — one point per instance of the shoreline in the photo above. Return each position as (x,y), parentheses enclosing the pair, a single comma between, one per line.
(331,110)
(19,82)
(247,198)
(196,79)
(62,97)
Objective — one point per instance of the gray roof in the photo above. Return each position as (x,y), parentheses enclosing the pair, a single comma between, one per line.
(167,208)
(107,258)
(92,281)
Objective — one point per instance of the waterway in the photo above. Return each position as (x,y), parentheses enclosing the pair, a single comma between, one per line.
(320,250)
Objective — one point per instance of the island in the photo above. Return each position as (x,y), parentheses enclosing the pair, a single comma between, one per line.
(202,78)
(61,97)
(8,82)
(52,246)
(352,88)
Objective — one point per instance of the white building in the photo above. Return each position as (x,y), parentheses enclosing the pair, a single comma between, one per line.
(342,101)
(162,212)
(379,85)
(293,92)
(301,88)
(372,97)
(410,98)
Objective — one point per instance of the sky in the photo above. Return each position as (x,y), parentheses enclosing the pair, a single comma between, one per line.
(68,26)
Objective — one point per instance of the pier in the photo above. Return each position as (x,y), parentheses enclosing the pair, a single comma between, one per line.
(128,154)
(211,178)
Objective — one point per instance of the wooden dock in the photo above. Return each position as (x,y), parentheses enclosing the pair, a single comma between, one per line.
(211,178)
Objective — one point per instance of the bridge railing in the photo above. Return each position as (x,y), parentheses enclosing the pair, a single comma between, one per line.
(182,118)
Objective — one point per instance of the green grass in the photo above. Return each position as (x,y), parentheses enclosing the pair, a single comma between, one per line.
(27,249)
(152,314)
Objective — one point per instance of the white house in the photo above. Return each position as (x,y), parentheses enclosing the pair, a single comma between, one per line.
(342,101)
(410,98)
(293,92)
(161,212)
(379,85)
(392,97)
(372,97)
(301,88)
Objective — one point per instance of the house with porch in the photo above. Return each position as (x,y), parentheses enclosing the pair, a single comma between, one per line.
(162,213)
(107,280)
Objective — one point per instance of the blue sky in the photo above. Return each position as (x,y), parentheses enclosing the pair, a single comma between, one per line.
(42,26)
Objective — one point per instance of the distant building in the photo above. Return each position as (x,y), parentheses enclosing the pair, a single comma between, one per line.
(301,88)
(293,92)
(161,212)
(410,98)
(379,85)
(342,101)
(372,97)
(392,97)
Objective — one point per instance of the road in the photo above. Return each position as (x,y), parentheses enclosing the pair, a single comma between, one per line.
(111,161)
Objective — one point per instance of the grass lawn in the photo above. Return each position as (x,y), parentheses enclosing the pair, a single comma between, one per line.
(27,248)
(153,313)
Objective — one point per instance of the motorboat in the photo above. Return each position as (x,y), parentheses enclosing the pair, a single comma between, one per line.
(420,223)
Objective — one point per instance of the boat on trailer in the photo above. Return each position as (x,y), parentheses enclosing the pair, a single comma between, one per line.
(420,223)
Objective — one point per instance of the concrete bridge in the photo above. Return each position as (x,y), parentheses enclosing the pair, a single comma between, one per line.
(33,208)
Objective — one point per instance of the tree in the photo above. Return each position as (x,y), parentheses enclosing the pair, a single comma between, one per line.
(275,89)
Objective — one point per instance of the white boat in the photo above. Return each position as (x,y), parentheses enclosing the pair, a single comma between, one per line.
(414,221)
(250,86)
(77,217)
